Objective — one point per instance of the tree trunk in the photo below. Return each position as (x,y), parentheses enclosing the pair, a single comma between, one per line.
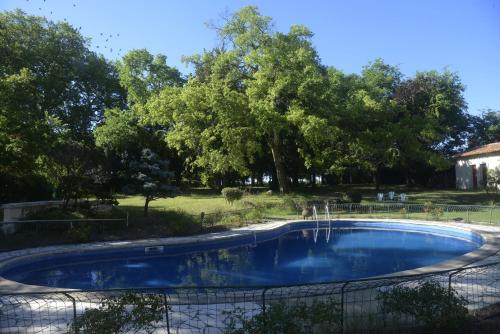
(146,206)
(279,162)
(376,180)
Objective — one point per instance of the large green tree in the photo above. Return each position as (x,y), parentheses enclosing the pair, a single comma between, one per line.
(128,132)
(260,90)
(485,128)
(53,89)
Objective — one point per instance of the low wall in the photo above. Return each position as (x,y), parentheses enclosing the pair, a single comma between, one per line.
(15,211)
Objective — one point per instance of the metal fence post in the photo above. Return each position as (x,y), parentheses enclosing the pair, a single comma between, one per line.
(126,224)
(264,307)
(491,214)
(166,312)
(342,311)
(202,219)
(468,214)
(74,310)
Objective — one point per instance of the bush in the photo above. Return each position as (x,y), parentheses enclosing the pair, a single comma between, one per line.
(80,233)
(253,216)
(403,212)
(232,194)
(212,218)
(439,309)
(230,220)
(54,214)
(123,314)
(315,317)
(290,203)
(428,206)
(352,197)
(435,211)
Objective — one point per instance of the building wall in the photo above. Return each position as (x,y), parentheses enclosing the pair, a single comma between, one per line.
(463,169)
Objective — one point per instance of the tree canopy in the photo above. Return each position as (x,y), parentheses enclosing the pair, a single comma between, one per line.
(259,103)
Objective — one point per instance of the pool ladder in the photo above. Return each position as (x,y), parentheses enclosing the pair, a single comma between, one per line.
(327,217)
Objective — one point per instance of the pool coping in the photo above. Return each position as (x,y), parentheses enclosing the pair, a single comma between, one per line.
(490,234)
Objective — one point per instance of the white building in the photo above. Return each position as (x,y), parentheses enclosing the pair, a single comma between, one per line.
(471,167)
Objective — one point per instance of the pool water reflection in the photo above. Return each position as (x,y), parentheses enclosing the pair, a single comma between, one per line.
(304,256)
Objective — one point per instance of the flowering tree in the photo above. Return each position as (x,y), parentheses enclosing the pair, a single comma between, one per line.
(151,178)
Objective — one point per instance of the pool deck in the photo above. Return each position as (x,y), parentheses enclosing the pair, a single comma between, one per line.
(488,253)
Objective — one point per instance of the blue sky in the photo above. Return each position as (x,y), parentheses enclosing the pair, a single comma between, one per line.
(461,35)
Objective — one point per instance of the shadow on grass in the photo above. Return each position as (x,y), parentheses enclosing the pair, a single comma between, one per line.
(158,224)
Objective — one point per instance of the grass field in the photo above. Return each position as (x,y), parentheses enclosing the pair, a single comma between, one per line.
(209,201)
(181,215)
(191,204)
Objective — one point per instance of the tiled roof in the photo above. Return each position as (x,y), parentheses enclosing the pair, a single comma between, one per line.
(489,148)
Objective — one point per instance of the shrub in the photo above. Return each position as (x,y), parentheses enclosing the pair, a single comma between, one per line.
(437,213)
(403,212)
(439,309)
(232,194)
(291,203)
(352,197)
(123,314)
(212,218)
(249,204)
(313,317)
(253,216)
(230,220)
(80,233)
(428,206)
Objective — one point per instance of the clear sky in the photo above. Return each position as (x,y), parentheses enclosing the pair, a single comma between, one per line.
(461,35)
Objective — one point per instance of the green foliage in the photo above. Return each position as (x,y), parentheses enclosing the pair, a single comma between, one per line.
(151,178)
(353,197)
(291,203)
(428,206)
(231,220)
(436,212)
(439,309)
(53,91)
(403,212)
(82,232)
(143,74)
(119,131)
(263,104)
(486,128)
(123,314)
(493,181)
(232,194)
(254,216)
(293,318)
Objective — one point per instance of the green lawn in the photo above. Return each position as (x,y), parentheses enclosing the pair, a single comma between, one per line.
(181,215)
(205,200)
(192,203)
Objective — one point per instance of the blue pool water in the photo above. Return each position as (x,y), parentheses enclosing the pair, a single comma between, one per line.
(296,256)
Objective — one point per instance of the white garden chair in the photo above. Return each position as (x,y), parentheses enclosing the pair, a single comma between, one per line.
(391,195)
(402,197)
(380,197)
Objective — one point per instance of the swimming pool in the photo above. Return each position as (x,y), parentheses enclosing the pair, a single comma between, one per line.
(298,253)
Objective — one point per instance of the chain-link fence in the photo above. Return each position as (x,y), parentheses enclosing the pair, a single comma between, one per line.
(345,307)
(394,210)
